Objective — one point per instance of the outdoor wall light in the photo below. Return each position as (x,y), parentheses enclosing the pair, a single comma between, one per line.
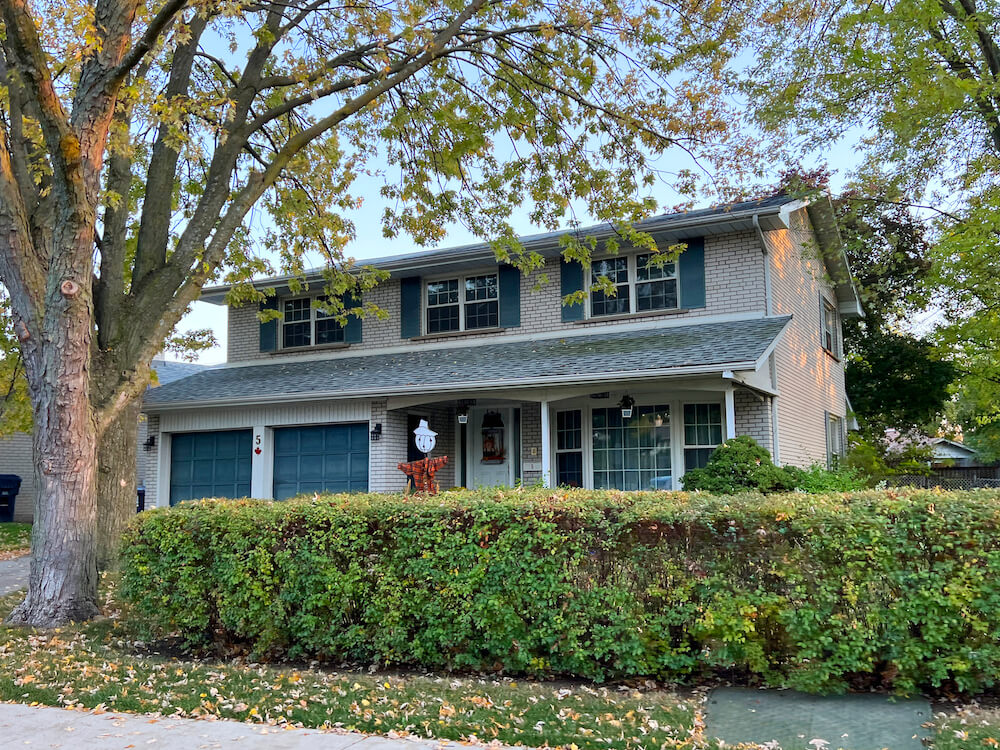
(376,433)
(149,444)
(626,405)
(463,417)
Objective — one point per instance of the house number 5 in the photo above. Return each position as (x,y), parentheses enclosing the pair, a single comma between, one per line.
(256,444)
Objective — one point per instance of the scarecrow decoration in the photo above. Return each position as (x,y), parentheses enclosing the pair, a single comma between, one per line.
(422,471)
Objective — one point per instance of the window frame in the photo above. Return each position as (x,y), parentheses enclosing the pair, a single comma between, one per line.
(462,302)
(632,269)
(313,312)
(685,446)
(829,338)
(835,447)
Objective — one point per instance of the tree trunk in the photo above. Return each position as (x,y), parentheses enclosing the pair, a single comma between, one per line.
(116,457)
(62,586)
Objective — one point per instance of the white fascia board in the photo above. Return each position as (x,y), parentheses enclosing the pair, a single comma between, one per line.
(762,359)
(457,387)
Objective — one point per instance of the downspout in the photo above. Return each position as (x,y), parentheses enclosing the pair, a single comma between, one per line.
(769,310)
(768,306)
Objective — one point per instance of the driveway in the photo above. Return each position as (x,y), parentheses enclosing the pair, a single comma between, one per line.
(59,729)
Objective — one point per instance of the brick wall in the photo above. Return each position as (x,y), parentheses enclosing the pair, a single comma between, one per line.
(734,274)
(753,417)
(17,457)
(810,381)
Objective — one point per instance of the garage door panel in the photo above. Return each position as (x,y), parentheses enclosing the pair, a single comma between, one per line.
(210,464)
(327,458)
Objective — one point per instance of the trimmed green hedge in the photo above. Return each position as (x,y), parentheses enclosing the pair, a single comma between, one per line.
(816,592)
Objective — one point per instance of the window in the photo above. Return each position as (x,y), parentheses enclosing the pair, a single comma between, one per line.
(702,433)
(303,324)
(616,271)
(830,328)
(834,440)
(463,304)
(642,285)
(632,454)
(569,448)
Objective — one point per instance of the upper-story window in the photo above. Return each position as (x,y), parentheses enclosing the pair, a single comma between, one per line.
(829,332)
(464,303)
(303,324)
(642,286)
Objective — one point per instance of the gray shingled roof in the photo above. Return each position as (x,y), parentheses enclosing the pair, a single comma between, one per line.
(580,358)
(167,371)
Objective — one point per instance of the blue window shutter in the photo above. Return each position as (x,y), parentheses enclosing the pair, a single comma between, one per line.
(571,278)
(352,328)
(269,330)
(409,307)
(510,297)
(691,269)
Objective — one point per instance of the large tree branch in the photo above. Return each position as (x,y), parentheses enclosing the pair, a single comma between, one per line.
(154,222)
(160,22)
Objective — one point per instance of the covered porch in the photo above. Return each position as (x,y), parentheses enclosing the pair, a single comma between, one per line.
(639,435)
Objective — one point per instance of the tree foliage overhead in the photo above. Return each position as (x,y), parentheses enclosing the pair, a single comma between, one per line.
(137,138)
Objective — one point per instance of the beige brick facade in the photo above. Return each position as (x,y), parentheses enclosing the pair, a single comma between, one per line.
(16,457)
(809,381)
(734,283)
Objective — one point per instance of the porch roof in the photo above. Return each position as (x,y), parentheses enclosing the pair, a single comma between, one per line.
(580,359)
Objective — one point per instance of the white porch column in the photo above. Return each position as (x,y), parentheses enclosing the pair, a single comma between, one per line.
(546,446)
(730,413)
(262,463)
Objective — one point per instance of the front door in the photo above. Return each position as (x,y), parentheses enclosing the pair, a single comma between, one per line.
(492,443)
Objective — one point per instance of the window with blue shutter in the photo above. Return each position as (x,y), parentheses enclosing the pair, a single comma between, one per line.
(269,329)
(691,272)
(510,297)
(409,307)
(571,281)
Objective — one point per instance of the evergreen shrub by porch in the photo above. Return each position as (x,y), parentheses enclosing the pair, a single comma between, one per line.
(817,592)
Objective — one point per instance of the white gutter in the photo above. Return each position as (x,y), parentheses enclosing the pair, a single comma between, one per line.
(437,388)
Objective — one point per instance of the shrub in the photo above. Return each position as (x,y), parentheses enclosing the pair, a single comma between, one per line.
(740,465)
(819,479)
(817,592)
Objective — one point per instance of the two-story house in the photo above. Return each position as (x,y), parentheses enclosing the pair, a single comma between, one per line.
(740,336)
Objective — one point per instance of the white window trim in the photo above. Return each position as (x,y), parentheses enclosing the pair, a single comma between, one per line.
(312,326)
(835,443)
(425,305)
(723,430)
(834,348)
(633,282)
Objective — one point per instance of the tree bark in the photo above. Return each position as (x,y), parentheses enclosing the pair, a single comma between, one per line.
(116,457)
(62,585)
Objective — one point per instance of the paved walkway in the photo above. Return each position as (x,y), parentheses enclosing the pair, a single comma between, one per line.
(59,729)
(14,574)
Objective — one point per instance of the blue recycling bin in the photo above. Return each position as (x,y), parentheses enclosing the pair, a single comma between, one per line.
(10,485)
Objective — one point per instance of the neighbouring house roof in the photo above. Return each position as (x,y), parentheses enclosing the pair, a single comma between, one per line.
(950,445)
(168,371)
(766,214)
(592,358)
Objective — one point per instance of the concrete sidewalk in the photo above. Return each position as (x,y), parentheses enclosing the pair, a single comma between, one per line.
(14,574)
(56,728)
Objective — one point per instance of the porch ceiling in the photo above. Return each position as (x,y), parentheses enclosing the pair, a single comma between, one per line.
(603,357)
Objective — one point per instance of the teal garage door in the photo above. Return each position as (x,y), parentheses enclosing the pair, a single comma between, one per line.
(324,458)
(209,464)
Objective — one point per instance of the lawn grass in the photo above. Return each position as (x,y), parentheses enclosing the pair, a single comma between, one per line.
(970,727)
(14,536)
(102,665)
